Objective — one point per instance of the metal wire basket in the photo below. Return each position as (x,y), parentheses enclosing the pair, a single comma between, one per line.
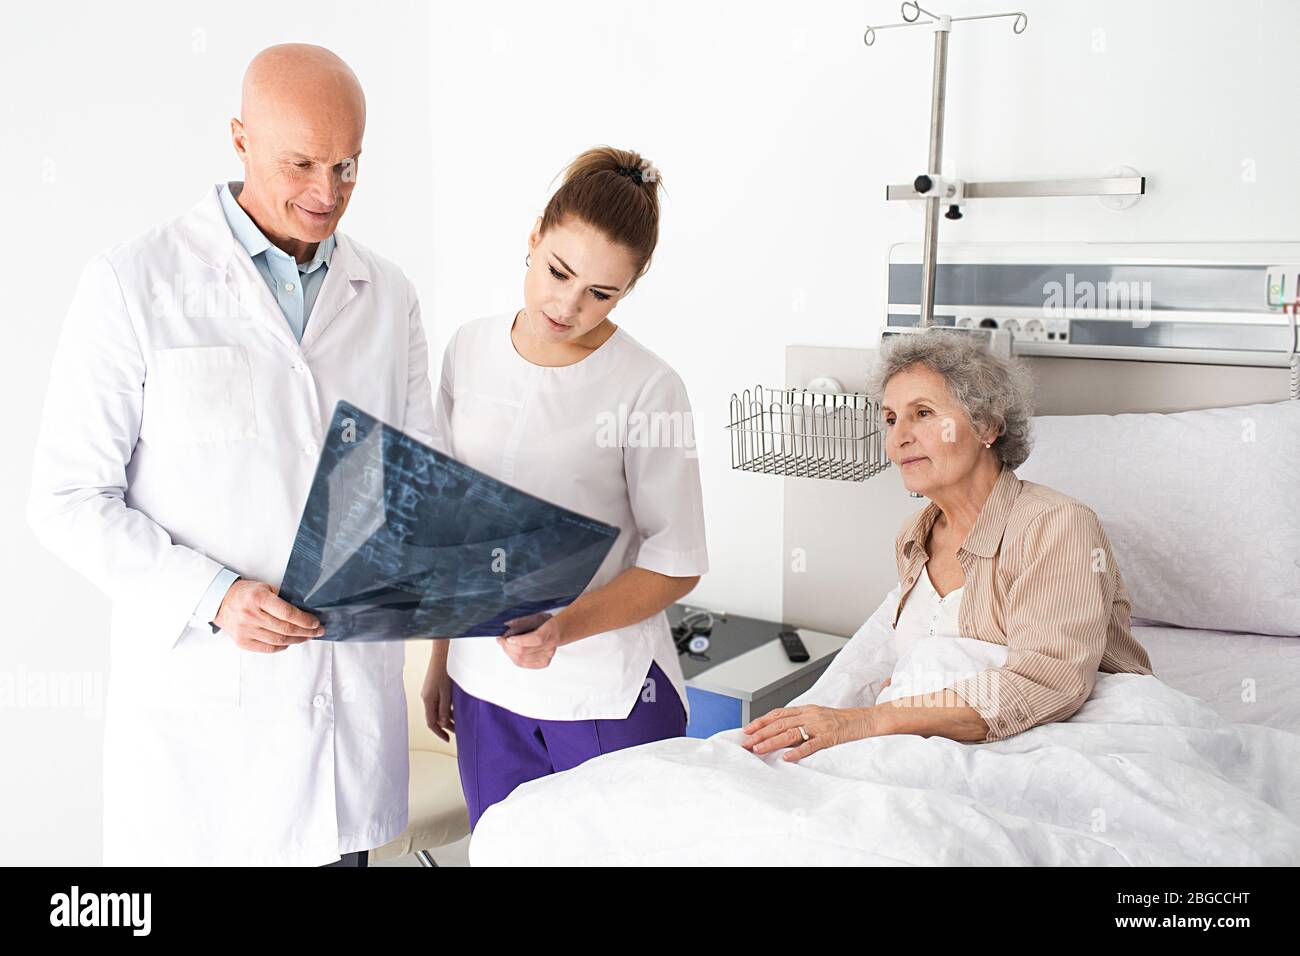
(801,433)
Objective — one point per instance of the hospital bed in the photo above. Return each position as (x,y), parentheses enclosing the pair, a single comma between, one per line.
(1206,665)
(1186,446)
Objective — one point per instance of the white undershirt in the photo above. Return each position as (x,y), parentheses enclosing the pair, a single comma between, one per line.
(925,665)
(927,614)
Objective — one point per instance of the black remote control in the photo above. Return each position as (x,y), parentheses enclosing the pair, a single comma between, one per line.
(793,646)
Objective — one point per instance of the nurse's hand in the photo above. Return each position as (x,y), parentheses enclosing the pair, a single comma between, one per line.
(532,641)
(257,619)
(436,692)
(824,727)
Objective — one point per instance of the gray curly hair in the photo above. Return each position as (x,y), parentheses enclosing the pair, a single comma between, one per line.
(994,392)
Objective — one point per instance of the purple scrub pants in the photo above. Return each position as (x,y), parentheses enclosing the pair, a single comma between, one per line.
(498,749)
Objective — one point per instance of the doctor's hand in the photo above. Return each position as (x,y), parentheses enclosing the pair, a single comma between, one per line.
(257,619)
(531,641)
(822,727)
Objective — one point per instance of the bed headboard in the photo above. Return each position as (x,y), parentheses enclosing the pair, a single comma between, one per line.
(838,536)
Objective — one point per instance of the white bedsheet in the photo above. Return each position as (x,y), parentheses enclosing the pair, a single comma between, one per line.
(1142,774)
(1246,678)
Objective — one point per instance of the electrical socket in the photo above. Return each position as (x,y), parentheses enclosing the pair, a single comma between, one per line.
(1027,330)
(1282,285)
(1058,330)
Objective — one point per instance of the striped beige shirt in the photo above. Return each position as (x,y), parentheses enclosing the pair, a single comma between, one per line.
(1041,580)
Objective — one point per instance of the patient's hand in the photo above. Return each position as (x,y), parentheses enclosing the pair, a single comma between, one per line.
(823,727)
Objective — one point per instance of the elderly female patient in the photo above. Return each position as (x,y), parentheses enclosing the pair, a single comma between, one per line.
(990,558)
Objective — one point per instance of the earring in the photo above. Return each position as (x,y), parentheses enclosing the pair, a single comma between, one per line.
(528,261)
(988,444)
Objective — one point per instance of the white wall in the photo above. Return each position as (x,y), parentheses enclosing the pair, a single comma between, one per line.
(776,131)
(116,118)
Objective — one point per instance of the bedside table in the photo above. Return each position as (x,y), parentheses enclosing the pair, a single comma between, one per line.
(745,672)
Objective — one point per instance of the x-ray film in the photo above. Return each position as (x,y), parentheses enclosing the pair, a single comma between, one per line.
(398,541)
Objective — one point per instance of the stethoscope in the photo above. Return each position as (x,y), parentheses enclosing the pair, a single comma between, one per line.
(692,633)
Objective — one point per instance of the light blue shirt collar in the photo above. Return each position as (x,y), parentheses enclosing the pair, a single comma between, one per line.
(255,242)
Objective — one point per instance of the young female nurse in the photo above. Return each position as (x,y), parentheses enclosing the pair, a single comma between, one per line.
(560,402)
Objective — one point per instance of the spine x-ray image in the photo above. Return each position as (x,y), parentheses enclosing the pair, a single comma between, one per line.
(398,541)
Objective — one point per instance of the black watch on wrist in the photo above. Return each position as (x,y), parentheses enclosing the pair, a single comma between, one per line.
(212,624)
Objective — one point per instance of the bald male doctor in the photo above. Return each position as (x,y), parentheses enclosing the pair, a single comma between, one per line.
(192,386)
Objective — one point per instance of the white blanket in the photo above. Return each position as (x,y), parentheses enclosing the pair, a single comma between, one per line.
(1142,774)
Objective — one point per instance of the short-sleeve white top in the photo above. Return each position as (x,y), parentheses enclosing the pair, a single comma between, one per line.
(610,437)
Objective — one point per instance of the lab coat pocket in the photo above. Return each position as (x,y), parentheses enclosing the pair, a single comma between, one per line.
(206,666)
(200,671)
(200,394)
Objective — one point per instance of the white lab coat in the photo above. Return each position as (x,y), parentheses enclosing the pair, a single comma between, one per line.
(181,432)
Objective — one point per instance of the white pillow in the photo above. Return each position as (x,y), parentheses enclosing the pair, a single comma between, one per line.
(1202,508)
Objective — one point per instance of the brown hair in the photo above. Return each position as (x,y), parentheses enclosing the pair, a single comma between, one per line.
(623,207)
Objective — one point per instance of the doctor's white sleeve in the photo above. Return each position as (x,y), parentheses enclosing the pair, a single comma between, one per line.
(418,421)
(77,505)
(446,391)
(210,603)
(661,465)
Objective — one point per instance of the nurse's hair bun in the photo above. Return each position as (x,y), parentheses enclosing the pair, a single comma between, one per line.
(615,191)
(644,173)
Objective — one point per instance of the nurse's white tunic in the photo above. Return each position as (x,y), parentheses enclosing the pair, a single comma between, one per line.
(610,437)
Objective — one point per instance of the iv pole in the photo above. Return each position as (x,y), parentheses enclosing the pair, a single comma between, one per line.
(936,191)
